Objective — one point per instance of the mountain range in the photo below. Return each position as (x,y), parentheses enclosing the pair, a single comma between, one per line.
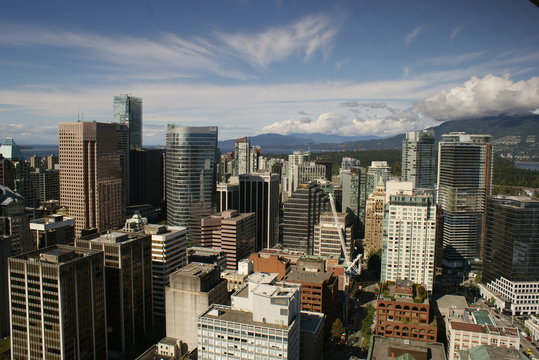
(513,135)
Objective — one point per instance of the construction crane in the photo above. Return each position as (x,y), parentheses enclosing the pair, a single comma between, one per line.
(350,266)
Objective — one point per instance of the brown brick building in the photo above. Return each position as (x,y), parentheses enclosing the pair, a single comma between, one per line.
(403,311)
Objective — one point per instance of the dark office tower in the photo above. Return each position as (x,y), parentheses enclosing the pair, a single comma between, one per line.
(301,214)
(329,167)
(5,253)
(418,158)
(354,193)
(145,176)
(464,183)
(23,183)
(93,174)
(14,222)
(7,173)
(511,261)
(259,193)
(228,197)
(58,304)
(128,284)
(190,172)
(128,111)
(46,185)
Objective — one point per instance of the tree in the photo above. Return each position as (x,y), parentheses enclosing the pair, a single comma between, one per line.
(337,329)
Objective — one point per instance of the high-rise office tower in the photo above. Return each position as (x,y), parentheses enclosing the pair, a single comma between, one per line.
(7,172)
(190,174)
(300,215)
(242,156)
(146,176)
(5,253)
(128,111)
(511,261)
(304,173)
(296,158)
(464,183)
(354,197)
(46,185)
(169,244)
(93,174)
(128,283)
(51,162)
(418,158)
(58,304)
(327,241)
(10,150)
(192,289)
(409,243)
(374,219)
(52,230)
(228,197)
(347,163)
(232,233)
(379,170)
(14,222)
(259,193)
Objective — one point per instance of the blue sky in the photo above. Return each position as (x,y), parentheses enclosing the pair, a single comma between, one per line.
(341,67)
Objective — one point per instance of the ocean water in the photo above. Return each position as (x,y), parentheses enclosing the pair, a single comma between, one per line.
(527,165)
(39,150)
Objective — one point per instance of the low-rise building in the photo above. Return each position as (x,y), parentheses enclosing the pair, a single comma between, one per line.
(467,328)
(532,324)
(403,311)
(383,348)
(52,230)
(263,322)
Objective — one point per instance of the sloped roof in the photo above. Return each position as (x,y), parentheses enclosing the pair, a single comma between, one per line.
(10,150)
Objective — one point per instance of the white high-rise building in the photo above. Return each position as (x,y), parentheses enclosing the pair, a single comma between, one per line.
(169,244)
(409,242)
(262,323)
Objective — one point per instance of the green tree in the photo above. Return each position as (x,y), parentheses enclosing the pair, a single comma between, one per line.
(337,329)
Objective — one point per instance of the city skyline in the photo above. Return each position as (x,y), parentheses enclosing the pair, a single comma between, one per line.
(348,68)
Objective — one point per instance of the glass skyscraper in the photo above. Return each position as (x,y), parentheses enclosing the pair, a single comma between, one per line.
(464,183)
(190,174)
(418,158)
(128,111)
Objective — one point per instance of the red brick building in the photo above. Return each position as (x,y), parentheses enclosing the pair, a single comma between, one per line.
(403,311)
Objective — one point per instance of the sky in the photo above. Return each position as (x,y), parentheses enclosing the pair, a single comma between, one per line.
(357,67)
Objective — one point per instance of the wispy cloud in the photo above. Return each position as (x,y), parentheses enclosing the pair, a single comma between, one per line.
(168,55)
(412,35)
(456,31)
(453,59)
(311,34)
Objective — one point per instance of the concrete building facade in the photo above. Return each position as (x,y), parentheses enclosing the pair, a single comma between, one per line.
(93,174)
(57,311)
(192,289)
(128,284)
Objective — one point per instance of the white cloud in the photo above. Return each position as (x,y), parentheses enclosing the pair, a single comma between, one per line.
(311,34)
(168,55)
(477,97)
(456,31)
(413,34)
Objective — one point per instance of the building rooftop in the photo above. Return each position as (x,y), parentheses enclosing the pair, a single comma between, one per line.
(308,277)
(488,352)
(404,291)
(383,348)
(56,254)
(484,329)
(311,321)
(195,269)
(453,302)
(262,277)
(226,313)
